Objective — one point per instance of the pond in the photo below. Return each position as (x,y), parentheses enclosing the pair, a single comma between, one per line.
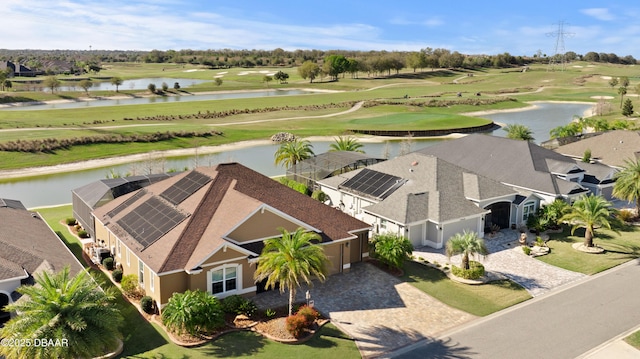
(56,188)
(105,84)
(154,99)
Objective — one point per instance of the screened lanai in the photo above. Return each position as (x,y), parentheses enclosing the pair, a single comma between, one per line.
(328,164)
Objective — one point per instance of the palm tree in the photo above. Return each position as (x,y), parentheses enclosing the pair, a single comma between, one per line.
(519,132)
(627,184)
(346,143)
(73,310)
(468,244)
(291,260)
(555,210)
(588,212)
(291,152)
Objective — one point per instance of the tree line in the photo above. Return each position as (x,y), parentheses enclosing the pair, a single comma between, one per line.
(50,145)
(377,61)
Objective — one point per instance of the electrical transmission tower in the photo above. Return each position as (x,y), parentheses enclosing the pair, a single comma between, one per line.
(559,56)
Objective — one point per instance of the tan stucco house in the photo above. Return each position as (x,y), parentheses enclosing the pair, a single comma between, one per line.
(204,229)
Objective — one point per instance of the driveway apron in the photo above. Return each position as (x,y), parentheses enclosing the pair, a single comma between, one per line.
(379,311)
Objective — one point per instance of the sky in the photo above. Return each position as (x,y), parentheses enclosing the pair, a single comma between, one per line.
(469,27)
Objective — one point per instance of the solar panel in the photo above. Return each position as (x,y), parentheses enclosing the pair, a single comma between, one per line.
(372,183)
(129,201)
(185,187)
(150,220)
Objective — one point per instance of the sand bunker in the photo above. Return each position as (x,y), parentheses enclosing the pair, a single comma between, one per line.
(606,77)
(578,66)
(193,70)
(602,97)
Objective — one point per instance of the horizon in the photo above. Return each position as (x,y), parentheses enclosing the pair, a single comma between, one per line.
(145,25)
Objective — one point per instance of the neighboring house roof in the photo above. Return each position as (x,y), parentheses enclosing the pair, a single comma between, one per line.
(102,191)
(194,214)
(611,148)
(513,162)
(28,244)
(429,189)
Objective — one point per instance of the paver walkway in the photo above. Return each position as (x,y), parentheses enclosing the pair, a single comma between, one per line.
(507,259)
(378,310)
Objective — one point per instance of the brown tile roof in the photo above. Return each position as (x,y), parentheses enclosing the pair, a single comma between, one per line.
(235,192)
(28,242)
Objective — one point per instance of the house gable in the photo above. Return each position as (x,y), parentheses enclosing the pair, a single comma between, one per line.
(223,254)
(264,223)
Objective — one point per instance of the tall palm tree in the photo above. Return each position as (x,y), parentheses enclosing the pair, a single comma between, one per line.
(588,212)
(627,184)
(291,260)
(346,143)
(291,152)
(73,310)
(468,244)
(519,132)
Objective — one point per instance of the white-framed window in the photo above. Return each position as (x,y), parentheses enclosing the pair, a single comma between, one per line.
(383,224)
(128,257)
(118,248)
(224,280)
(152,281)
(528,209)
(141,273)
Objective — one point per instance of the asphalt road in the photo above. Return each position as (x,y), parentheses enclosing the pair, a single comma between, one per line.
(562,324)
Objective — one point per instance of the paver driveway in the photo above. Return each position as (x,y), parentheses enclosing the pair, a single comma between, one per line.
(378,310)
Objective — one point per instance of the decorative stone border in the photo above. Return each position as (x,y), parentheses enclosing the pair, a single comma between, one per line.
(590,250)
(312,333)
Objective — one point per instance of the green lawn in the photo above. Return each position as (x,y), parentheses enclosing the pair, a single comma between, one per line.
(620,248)
(145,340)
(634,340)
(480,300)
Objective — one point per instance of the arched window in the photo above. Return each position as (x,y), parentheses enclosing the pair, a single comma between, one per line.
(224,280)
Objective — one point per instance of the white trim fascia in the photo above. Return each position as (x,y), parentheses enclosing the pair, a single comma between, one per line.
(382,217)
(534,191)
(26,275)
(170,272)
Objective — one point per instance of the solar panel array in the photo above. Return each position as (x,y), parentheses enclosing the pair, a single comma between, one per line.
(150,220)
(129,201)
(185,187)
(373,183)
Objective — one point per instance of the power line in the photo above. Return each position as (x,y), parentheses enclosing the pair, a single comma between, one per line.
(559,56)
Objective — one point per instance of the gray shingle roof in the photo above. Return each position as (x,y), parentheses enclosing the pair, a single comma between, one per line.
(434,190)
(519,163)
(27,242)
(611,148)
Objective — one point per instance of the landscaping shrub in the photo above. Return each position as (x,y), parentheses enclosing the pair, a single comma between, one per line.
(117,275)
(625,215)
(83,234)
(146,303)
(319,195)
(236,304)
(296,324)
(195,312)
(270,313)
(309,314)
(300,187)
(391,249)
(476,271)
(129,285)
(526,250)
(108,263)
(71,221)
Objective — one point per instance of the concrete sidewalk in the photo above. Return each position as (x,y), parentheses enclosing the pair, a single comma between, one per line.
(615,348)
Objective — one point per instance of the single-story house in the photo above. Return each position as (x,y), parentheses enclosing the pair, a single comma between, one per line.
(423,198)
(610,148)
(29,246)
(205,229)
(87,198)
(526,167)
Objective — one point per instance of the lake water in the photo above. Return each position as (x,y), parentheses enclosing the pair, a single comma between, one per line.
(56,188)
(155,99)
(105,85)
